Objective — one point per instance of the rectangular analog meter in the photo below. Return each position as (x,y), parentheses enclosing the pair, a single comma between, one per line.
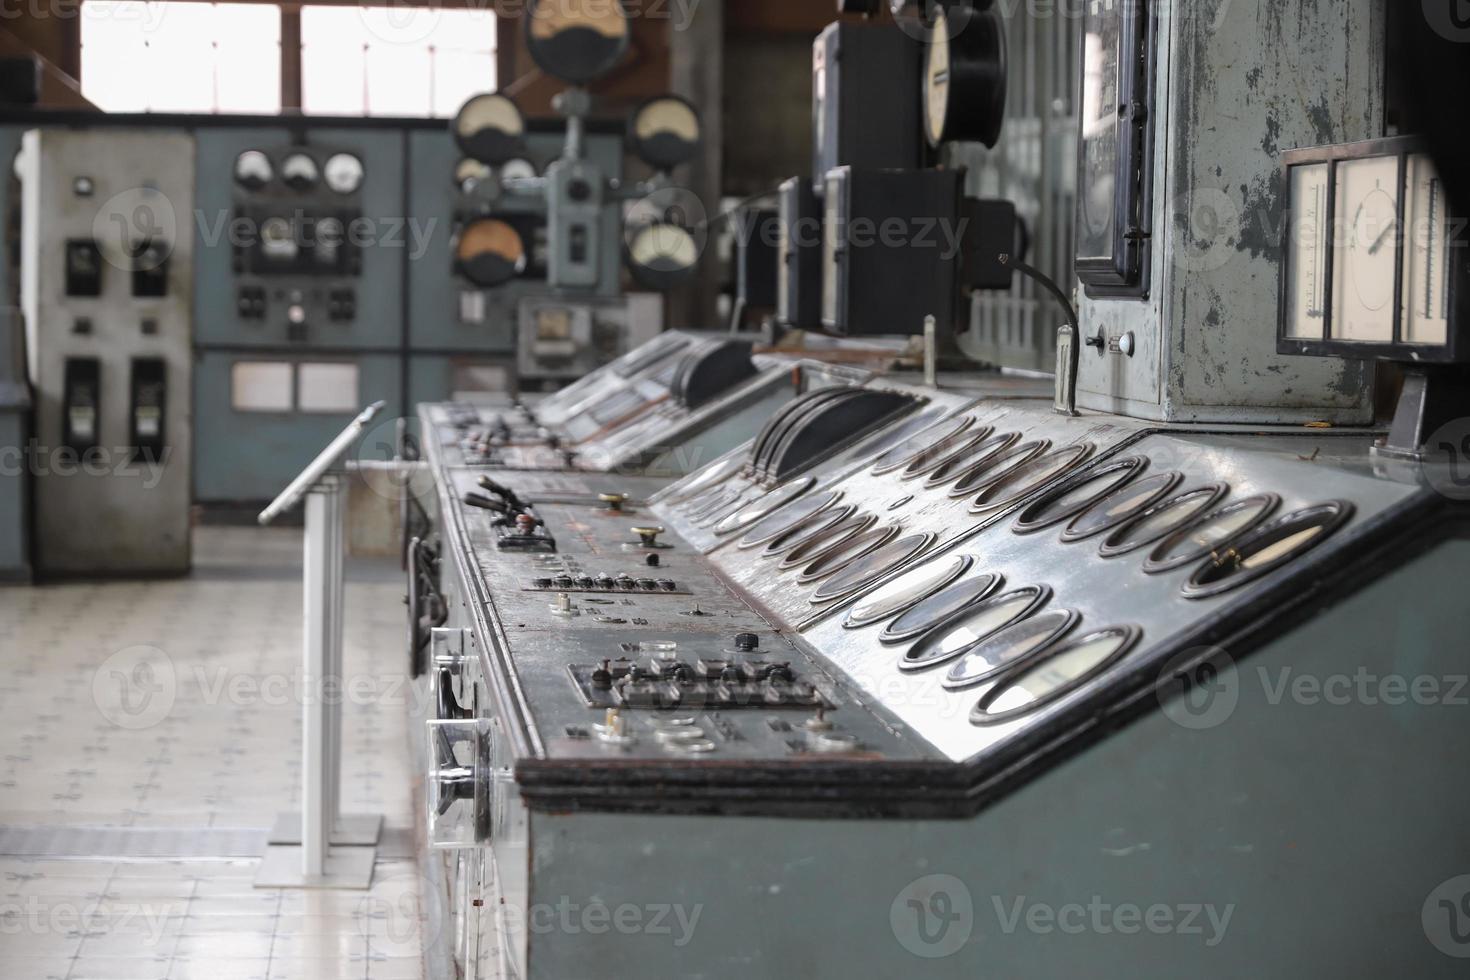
(1114,175)
(1372,264)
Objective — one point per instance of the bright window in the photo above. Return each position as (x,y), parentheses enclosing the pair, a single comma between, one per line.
(394,61)
(181,57)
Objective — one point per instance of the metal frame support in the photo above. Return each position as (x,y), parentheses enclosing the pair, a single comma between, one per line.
(322,854)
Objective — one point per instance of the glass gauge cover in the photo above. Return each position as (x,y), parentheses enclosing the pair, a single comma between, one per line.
(935,609)
(1058,673)
(299,172)
(576,40)
(787,518)
(1009,647)
(490,128)
(913,586)
(816,546)
(1077,493)
(1120,505)
(343,173)
(664,132)
(994,466)
(971,626)
(1267,548)
(845,554)
(765,504)
(253,170)
(808,530)
(1214,530)
(1029,477)
(1161,519)
(871,567)
(906,452)
(489,252)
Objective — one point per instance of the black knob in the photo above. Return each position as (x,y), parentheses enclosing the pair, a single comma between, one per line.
(745,642)
(667,584)
(647,583)
(602,677)
(651,560)
(564,581)
(541,583)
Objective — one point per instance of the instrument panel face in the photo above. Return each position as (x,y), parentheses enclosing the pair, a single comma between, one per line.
(1092,575)
(696,672)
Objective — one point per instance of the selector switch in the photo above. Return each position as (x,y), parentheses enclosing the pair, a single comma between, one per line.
(746,642)
(648,535)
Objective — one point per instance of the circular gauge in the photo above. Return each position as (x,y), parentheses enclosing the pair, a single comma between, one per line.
(893,435)
(1059,672)
(932,610)
(764,505)
(664,132)
(576,40)
(710,476)
(871,567)
(253,170)
(944,451)
(845,554)
(807,530)
(1076,494)
(1161,519)
(490,128)
(661,254)
(965,77)
(1374,223)
(1120,505)
(774,525)
(818,545)
(996,465)
(343,173)
(971,459)
(469,172)
(902,593)
(278,240)
(517,169)
(1267,548)
(1009,647)
(904,453)
(1030,477)
(968,628)
(488,252)
(1198,539)
(299,172)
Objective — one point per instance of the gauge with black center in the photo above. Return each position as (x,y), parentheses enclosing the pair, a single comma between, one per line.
(343,173)
(764,505)
(1213,531)
(469,172)
(872,567)
(787,518)
(664,132)
(1120,505)
(1009,648)
(964,75)
(817,545)
(299,172)
(848,552)
(490,128)
(576,40)
(518,168)
(253,170)
(994,466)
(489,252)
(903,593)
(1074,495)
(1267,548)
(932,610)
(1162,519)
(965,630)
(974,457)
(905,453)
(1030,477)
(944,451)
(661,254)
(808,529)
(1056,673)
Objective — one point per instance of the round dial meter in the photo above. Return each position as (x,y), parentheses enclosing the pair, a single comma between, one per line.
(490,128)
(964,76)
(664,132)
(488,252)
(343,173)
(300,172)
(253,170)
(576,40)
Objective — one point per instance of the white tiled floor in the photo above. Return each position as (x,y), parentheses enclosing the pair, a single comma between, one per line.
(171,704)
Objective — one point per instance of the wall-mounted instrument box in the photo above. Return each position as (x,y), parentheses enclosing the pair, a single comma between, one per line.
(891,242)
(865,104)
(107,250)
(799,255)
(1179,209)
